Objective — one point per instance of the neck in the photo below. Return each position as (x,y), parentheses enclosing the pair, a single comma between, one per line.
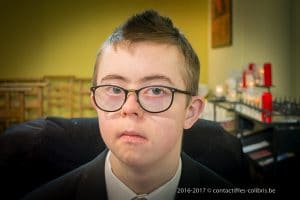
(145,179)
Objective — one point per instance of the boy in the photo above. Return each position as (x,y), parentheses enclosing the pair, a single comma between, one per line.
(144,90)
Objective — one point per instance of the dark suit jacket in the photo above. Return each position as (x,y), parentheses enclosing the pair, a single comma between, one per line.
(88,182)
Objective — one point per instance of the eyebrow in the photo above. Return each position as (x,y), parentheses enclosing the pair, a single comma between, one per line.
(153,77)
(156,77)
(114,77)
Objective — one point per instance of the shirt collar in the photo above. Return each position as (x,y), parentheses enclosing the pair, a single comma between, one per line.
(116,189)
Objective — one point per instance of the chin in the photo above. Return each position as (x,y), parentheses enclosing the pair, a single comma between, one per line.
(134,158)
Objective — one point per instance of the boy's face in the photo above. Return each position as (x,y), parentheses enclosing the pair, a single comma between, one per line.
(135,136)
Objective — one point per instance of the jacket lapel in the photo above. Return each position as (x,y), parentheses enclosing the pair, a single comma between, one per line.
(189,174)
(92,184)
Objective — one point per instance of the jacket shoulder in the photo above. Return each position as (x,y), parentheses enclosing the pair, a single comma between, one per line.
(198,175)
(74,184)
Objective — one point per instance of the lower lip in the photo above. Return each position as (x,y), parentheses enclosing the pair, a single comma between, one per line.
(136,139)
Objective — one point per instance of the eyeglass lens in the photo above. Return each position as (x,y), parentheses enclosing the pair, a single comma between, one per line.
(152,98)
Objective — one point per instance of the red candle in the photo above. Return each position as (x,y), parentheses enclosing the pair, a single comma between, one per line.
(267,107)
(267,74)
(244,79)
(251,66)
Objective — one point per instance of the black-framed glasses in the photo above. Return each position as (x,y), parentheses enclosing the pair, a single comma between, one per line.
(153,99)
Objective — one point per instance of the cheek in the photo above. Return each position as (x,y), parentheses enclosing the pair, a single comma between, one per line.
(171,126)
(167,133)
(107,128)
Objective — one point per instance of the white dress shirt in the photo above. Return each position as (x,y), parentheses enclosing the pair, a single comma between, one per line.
(117,190)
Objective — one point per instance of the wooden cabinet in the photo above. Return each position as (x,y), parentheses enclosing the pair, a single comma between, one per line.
(20,100)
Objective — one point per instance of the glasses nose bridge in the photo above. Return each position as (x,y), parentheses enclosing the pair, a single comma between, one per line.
(132,91)
(127,92)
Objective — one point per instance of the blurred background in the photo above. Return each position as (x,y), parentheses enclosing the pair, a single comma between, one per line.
(55,43)
(62,37)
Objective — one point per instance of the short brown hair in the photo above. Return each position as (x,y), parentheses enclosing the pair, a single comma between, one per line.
(150,26)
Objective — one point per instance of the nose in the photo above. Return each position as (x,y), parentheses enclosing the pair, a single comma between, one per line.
(131,106)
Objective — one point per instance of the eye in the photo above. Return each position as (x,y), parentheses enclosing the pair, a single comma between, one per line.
(156,91)
(116,90)
(113,90)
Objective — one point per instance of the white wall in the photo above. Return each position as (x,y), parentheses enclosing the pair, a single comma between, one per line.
(261,33)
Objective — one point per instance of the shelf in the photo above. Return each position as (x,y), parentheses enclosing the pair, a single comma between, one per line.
(255,146)
(255,114)
(263,86)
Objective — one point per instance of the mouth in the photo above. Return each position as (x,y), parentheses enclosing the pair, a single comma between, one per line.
(133,137)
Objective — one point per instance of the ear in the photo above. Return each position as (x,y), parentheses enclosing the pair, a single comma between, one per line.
(93,102)
(193,111)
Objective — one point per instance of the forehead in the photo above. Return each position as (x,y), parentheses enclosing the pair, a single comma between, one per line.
(135,61)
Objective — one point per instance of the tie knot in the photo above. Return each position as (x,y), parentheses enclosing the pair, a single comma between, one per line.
(140,197)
